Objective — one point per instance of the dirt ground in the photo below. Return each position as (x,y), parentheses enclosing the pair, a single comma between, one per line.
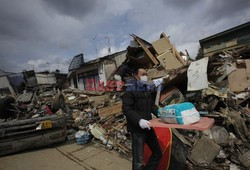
(91,156)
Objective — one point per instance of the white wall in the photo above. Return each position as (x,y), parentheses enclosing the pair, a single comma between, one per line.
(102,75)
(45,78)
(80,83)
(71,83)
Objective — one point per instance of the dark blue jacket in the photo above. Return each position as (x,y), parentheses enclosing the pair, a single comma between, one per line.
(138,103)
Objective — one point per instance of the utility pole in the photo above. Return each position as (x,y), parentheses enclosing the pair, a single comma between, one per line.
(96,49)
(109,48)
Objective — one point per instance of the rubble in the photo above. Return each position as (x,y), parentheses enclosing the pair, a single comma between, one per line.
(218,86)
(204,151)
(101,117)
(212,88)
(245,159)
(220,135)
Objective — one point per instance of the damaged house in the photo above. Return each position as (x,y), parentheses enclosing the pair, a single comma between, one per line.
(98,70)
(44,78)
(231,39)
(232,42)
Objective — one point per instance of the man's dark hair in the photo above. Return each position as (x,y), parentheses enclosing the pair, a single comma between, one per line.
(137,69)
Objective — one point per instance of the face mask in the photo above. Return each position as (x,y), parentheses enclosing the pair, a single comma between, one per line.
(144,78)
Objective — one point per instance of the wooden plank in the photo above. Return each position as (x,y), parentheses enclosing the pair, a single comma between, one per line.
(205,123)
(158,95)
(238,80)
(154,60)
(111,110)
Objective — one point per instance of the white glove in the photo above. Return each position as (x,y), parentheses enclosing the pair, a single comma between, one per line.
(144,124)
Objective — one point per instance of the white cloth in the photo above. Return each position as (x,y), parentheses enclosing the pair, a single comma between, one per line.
(144,124)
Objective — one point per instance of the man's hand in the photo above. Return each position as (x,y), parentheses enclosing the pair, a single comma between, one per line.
(144,124)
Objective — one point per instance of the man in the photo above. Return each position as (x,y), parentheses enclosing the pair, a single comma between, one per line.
(138,105)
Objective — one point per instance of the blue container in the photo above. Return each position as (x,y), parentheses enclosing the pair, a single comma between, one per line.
(83,139)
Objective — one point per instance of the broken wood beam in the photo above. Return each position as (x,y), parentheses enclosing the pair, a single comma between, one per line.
(111,110)
(150,55)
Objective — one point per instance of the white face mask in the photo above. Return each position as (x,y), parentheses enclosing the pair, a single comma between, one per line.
(144,78)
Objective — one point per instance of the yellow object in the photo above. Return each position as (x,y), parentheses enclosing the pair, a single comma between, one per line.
(47,124)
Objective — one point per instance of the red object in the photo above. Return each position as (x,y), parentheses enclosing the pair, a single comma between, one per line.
(204,123)
(47,109)
(164,136)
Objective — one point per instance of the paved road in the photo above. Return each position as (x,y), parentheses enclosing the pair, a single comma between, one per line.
(68,156)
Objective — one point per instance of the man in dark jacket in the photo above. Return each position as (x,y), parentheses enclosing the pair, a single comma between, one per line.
(138,104)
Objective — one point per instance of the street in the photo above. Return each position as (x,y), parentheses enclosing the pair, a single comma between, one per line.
(67,156)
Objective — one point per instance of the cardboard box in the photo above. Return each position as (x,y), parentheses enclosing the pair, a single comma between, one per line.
(169,61)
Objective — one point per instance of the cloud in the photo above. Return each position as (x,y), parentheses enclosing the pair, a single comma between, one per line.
(51,63)
(34,32)
(74,8)
(180,4)
(17,22)
(219,9)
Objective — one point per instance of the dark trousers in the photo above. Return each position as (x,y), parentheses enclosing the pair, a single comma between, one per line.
(138,141)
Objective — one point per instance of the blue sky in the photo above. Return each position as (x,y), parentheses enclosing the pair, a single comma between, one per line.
(36,32)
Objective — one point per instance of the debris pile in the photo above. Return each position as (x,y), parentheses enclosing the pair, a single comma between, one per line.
(101,116)
(38,102)
(31,119)
(226,99)
(218,86)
